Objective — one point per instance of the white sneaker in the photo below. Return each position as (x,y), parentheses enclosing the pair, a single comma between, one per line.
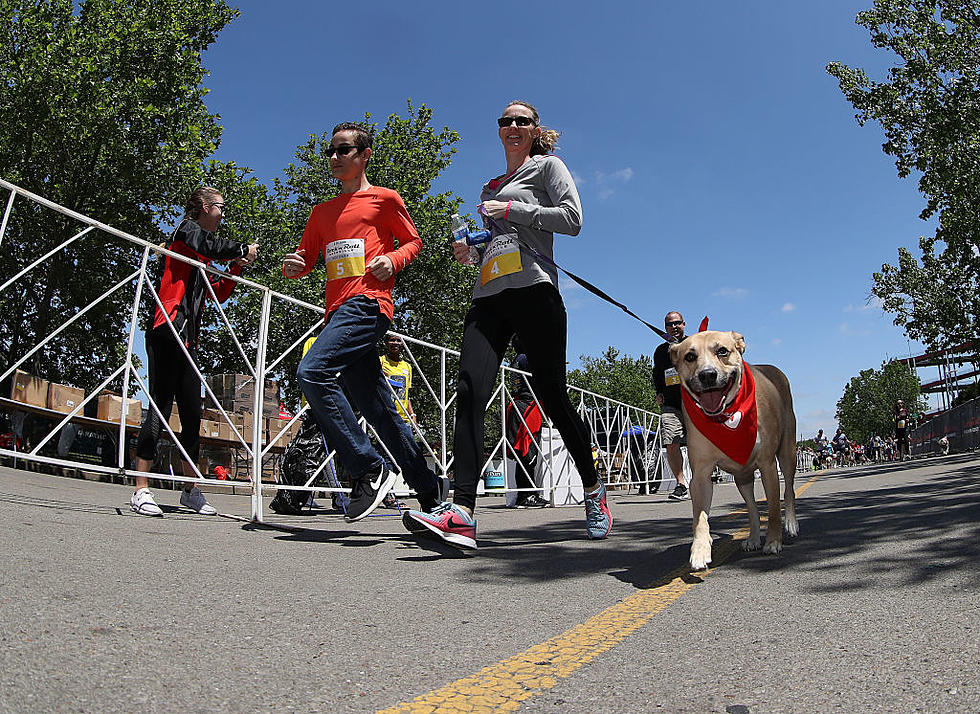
(195,501)
(142,502)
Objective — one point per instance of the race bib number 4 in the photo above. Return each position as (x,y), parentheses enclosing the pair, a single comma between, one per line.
(344,258)
(503,257)
(671,377)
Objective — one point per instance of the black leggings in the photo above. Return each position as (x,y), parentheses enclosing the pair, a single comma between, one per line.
(537,316)
(171,377)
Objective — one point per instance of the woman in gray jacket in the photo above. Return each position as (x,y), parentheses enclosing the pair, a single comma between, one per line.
(517,294)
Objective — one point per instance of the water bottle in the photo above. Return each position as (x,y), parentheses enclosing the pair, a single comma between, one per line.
(461,234)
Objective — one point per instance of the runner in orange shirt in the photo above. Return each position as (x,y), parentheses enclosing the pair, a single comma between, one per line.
(355,232)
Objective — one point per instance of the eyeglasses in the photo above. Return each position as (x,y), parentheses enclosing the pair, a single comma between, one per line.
(520,121)
(675,323)
(219,206)
(343,150)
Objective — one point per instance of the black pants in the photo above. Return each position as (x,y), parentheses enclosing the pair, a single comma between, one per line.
(171,377)
(537,316)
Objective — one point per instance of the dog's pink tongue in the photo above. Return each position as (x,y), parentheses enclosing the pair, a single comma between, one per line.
(712,400)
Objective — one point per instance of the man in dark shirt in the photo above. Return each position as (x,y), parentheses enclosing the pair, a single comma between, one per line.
(668,385)
(901,426)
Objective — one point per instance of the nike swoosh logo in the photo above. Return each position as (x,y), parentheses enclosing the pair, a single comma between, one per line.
(376,484)
(450,523)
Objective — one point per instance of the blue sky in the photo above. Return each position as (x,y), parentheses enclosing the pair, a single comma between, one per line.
(722,173)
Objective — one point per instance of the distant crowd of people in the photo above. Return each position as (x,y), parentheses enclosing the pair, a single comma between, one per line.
(841,451)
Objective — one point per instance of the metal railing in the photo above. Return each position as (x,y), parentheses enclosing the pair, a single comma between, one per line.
(960,425)
(629,453)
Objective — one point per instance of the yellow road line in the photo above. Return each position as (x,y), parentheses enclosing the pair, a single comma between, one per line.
(503,686)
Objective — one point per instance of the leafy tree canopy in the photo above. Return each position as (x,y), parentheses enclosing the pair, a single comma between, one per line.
(102,111)
(929,108)
(624,378)
(867,406)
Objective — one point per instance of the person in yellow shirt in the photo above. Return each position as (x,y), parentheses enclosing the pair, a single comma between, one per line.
(398,372)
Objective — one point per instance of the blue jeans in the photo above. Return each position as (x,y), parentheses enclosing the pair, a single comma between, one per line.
(344,358)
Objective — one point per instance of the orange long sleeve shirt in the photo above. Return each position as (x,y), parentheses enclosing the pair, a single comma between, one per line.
(349,231)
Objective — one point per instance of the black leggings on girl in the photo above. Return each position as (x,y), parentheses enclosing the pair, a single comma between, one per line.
(537,316)
(171,377)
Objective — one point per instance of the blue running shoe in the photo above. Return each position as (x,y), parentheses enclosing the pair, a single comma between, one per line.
(448,521)
(598,519)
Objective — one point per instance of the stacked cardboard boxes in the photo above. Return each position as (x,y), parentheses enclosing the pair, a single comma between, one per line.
(236,393)
(274,426)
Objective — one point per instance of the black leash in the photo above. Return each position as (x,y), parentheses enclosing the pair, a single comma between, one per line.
(581,281)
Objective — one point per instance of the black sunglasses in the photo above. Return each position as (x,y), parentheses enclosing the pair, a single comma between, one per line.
(343,150)
(675,323)
(520,121)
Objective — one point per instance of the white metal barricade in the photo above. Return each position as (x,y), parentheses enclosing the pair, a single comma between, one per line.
(628,455)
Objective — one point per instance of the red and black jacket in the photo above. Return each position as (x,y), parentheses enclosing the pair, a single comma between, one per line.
(182,290)
(522,437)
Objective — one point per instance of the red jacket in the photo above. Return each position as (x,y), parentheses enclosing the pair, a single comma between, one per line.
(182,290)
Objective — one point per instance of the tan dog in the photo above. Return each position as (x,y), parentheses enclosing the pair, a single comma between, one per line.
(712,374)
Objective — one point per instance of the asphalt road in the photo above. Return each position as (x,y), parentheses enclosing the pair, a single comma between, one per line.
(875,607)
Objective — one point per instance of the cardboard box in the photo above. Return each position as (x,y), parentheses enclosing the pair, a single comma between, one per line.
(225,431)
(247,429)
(210,429)
(227,384)
(274,426)
(62,398)
(236,393)
(28,389)
(110,407)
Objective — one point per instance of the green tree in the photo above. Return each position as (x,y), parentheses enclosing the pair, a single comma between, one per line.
(969,392)
(928,109)
(624,378)
(868,403)
(936,299)
(102,111)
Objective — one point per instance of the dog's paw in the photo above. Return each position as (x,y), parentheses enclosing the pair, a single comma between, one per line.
(772,546)
(792,528)
(750,544)
(700,555)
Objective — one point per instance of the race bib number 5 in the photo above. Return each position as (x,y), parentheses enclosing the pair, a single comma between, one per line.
(344,258)
(503,257)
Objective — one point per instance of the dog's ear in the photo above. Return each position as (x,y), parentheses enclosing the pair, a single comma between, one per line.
(739,342)
(674,352)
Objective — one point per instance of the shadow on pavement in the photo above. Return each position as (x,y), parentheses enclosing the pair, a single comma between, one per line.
(833,527)
(937,518)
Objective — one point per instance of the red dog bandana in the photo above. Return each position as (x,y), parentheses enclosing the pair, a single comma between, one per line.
(734,430)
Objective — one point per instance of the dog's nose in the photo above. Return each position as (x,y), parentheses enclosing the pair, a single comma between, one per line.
(708,376)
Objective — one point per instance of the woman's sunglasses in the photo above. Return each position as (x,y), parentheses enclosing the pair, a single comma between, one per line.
(520,121)
(343,150)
